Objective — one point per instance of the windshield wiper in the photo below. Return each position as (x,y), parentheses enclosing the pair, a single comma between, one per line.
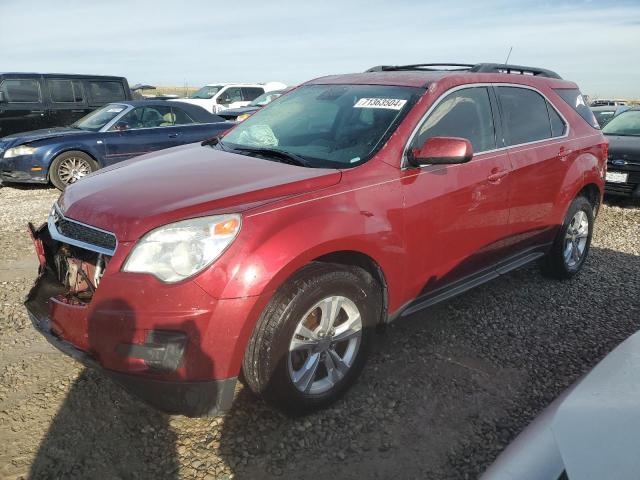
(213,141)
(281,155)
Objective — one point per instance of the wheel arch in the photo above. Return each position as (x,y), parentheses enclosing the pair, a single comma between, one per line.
(358,259)
(57,153)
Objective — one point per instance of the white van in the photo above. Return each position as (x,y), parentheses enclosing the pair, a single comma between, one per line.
(216,97)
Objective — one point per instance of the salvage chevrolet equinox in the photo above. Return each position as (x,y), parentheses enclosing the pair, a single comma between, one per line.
(273,252)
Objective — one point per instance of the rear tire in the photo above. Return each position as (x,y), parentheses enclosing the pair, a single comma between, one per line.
(571,246)
(69,167)
(312,340)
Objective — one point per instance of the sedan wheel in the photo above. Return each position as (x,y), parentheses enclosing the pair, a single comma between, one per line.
(72,169)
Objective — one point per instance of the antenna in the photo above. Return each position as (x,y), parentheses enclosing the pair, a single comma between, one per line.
(508,55)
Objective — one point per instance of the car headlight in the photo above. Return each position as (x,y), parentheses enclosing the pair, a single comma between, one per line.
(242,117)
(19,151)
(179,250)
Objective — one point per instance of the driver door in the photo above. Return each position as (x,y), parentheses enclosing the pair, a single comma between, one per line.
(457,216)
(140,131)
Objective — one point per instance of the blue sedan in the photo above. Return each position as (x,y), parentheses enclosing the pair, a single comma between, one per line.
(111,134)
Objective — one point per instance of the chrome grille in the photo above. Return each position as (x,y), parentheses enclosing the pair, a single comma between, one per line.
(79,234)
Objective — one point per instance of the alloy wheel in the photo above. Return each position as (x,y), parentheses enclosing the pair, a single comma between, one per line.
(325,345)
(72,169)
(575,240)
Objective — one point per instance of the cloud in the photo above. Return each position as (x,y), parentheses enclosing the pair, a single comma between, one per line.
(202,41)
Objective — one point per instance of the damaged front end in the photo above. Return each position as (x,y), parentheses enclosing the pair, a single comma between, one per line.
(68,277)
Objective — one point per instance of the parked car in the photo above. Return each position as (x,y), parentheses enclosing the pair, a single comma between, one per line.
(114,133)
(220,96)
(608,102)
(242,113)
(605,114)
(278,248)
(592,431)
(30,101)
(623,166)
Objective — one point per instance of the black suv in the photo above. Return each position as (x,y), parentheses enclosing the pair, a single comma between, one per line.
(29,101)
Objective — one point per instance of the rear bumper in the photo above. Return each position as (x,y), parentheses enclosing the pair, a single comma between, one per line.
(191,398)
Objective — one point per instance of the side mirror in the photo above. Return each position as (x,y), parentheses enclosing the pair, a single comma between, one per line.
(441,151)
(223,100)
(121,126)
(2,98)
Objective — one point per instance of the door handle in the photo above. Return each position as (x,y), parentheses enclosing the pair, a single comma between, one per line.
(41,112)
(77,111)
(563,153)
(173,135)
(495,177)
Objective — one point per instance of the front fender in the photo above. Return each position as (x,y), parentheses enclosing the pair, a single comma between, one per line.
(276,243)
(90,147)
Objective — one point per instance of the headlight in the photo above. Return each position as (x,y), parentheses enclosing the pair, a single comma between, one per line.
(182,249)
(242,117)
(19,151)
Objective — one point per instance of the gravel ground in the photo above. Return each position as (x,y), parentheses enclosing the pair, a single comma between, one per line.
(444,392)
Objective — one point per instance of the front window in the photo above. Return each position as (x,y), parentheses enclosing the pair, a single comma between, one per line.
(206,92)
(337,126)
(627,123)
(99,118)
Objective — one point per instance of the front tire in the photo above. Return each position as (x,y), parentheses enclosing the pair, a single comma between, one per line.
(69,167)
(572,243)
(312,340)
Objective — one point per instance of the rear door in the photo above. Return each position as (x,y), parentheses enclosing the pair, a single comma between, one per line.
(67,101)
(457,216)
(24,106)
(536,136)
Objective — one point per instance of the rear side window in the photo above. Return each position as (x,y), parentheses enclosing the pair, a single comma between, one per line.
(525,115)
(65,91)
(180,117)
(21,90)
(105,92)
(251,93)
(558,127)
(575,100)
(464,113)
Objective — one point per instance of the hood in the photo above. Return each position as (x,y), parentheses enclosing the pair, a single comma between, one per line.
(35,135)
(132,197)
(624,147)
(234,112)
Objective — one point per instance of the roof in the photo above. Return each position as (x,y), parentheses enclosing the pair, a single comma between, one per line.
(422,79)
(421,75)
(75,75)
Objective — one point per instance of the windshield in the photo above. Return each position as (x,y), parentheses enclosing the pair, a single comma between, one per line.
(99,118)
(265,98)
(206,92)
(337,126)
(627,123)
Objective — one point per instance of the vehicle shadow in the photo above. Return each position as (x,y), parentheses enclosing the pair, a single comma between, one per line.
(102,432)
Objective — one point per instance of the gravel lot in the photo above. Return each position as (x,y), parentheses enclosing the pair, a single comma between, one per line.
(444,392)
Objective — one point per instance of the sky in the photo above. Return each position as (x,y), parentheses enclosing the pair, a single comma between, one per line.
(194,42)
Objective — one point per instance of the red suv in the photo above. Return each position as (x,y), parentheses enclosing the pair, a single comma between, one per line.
(346,203)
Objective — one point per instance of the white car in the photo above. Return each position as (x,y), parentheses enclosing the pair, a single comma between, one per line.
(216,97)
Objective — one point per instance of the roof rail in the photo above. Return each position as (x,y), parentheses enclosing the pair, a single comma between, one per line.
(517,69)
(429,67)
(466,67)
